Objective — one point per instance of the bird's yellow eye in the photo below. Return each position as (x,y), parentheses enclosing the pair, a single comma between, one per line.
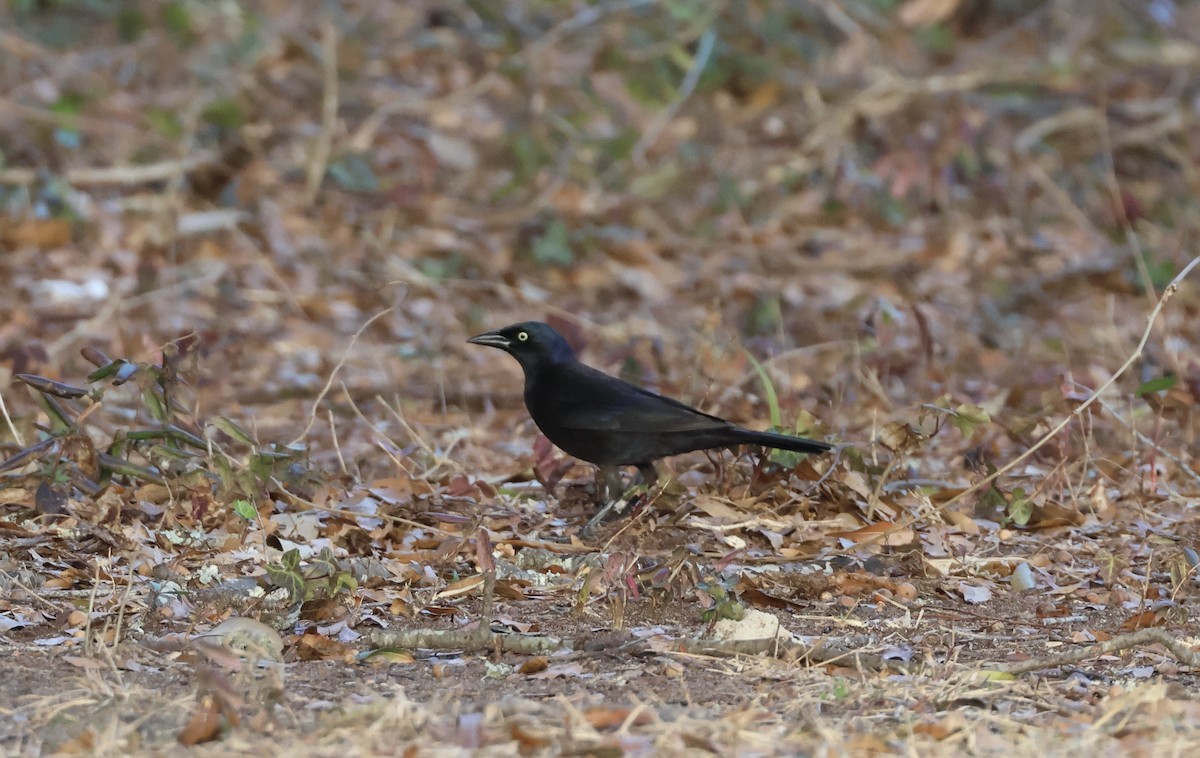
(522,336)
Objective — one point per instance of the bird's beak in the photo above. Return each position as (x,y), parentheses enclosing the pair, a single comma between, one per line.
(491,339)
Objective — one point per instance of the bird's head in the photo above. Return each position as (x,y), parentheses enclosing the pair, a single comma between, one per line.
(532,343)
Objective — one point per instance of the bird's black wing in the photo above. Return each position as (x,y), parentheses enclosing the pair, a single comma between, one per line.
(607,403)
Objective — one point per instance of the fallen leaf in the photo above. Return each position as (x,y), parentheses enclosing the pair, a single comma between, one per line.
(204,725)
(461,587)
(881,532)
(534,665)
(974,593)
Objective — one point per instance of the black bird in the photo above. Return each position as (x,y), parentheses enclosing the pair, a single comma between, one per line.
(609,422)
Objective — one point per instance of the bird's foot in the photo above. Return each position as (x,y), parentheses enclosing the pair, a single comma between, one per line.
(618,505)
(613,495)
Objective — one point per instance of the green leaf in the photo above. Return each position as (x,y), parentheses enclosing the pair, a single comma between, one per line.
(224,114)
(322,565)
(123,467)
(686,10)
(68,105)
(165,121)
(153,403)
(768,313)
(387,654)
(553,247)
(992,503)
(162,454)
(51,387)
(1157,385)
(995,676)
(233,430)
(936,39)
(183,436)
(353,173)
(178,21)
(1020,509)
(769,389)
(60,419)
(529,155)
(120,368)
(245,509)
(967,418)
(345,582)
(287,578)
(732,610)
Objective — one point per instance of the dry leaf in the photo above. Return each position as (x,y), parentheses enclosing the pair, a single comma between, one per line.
(461,587)
(40,233)
(534,665)
(881,532)
(974,593)
(204,725)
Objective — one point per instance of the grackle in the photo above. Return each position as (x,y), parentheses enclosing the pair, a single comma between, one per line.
(609,422)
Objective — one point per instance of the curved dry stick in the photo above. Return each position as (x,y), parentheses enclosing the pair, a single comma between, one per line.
(312,414)
(1181,651)
(1072,416)
(1095,396)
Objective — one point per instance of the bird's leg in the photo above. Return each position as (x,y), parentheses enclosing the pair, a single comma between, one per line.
(613,490)
(649,474)
(609,486)
(610,491)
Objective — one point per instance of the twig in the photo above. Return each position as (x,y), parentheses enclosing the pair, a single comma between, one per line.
(319,160)
(1182,652)
(437,457)
(16,433)
(690,80)
(875,496)
(333,436)
(791,649)
(1151,443)
(1091,400)
(114,175)
(1118,204)
(356,514)
(312,413)
(468,640)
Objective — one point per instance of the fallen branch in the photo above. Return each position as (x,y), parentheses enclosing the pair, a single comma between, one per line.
(114,175)
(483,639)
(1182,652)
(480,639)
(787,649)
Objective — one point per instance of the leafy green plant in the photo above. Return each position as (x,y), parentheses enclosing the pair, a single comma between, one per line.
(725,604)
(804,423)
(321,578)
(166,446)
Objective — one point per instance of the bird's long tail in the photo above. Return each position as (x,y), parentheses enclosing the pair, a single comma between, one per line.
(779,441)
